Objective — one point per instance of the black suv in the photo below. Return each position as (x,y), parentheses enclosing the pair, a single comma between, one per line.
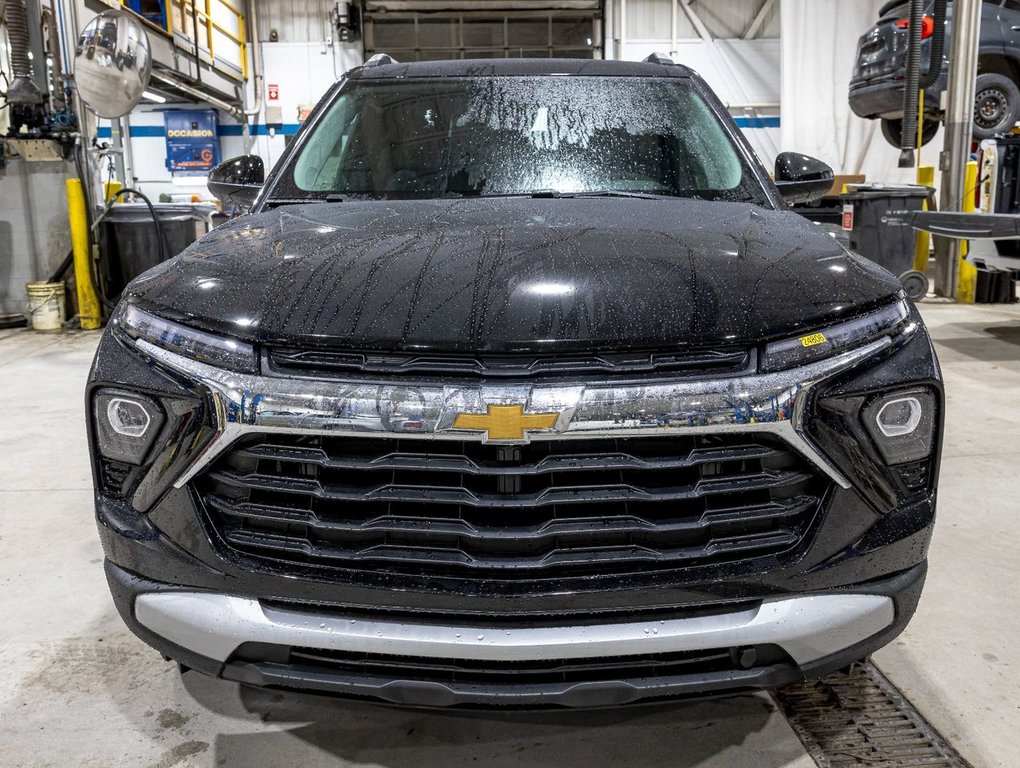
(519,385)
(876,89)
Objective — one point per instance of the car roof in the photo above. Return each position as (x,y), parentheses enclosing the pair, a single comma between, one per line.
(511,67)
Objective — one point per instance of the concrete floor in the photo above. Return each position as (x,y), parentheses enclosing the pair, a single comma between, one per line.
(80,690)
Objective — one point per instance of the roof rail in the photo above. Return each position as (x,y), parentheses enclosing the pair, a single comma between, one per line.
(655,58)
(382,59)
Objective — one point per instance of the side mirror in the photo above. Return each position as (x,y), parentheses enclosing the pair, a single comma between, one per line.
(802,179)
(238,180)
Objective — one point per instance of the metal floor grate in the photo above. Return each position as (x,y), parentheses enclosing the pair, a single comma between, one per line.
(861,719)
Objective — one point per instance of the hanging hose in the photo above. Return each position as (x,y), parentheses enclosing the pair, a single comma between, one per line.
(22,91)
(908,134)
(17,34)
(938,45)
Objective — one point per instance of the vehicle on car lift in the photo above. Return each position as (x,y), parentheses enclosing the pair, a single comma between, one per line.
(876,88)
(519,385)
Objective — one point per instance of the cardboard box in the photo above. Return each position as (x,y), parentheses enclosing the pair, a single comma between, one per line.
(839,181)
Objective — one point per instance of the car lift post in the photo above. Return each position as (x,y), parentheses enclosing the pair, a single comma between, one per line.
(925,176)
(959,121)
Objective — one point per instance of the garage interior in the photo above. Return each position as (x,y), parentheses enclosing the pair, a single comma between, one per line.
(79,192)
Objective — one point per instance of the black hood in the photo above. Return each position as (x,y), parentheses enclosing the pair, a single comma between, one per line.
(506,274)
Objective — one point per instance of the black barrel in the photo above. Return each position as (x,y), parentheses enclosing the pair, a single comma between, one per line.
(127,238)
(881,228)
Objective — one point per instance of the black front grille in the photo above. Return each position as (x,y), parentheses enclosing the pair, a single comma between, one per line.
(311,362)
(547,509)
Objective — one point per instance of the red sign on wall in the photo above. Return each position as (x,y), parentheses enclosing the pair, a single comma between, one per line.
(274,91)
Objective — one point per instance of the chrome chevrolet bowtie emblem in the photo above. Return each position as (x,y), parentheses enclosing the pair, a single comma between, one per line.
(505,422)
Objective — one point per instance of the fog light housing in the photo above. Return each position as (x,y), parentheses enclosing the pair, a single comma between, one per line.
(128,418)
(126,425)
(900,416)
(902,424)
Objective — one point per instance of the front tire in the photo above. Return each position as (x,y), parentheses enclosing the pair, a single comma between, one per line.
(892,130)
(996,105)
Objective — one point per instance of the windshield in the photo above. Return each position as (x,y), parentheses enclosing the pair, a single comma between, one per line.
(519,136)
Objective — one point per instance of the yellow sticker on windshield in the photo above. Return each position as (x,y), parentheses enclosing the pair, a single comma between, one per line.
(813,339)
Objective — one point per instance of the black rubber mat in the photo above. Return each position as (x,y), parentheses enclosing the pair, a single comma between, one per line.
(847,720)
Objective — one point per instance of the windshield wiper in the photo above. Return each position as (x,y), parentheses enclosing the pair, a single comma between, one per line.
(333,197)
(273,202)
(621,193)
(596,193)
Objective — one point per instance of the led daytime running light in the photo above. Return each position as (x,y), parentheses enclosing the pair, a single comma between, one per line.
(835,339)
(221,351)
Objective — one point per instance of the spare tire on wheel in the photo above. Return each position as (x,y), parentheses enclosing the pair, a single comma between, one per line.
(915,284)
(996,105)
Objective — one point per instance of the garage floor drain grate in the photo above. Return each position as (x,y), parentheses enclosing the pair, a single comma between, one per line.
(861,719)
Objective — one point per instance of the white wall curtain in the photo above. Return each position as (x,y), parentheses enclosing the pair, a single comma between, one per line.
(819,48)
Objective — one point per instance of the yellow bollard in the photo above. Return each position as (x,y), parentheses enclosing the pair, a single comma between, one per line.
(920,128)
(89,313)
(966,276)
(922,241)
(111,188)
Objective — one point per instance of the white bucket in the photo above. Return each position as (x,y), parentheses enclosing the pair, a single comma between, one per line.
(46,305)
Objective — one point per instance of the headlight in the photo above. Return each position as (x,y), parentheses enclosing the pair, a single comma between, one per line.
(221,351)
(902,424)
(837,338)
(126,424)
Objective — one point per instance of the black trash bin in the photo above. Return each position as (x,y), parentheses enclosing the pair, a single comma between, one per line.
(127,238)
(880,228)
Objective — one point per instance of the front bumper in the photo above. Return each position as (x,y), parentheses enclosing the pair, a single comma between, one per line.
(768,643)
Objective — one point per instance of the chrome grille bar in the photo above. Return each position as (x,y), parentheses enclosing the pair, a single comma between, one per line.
(256,404)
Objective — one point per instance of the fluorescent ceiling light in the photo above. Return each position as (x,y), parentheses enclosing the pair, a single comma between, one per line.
(154,97)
